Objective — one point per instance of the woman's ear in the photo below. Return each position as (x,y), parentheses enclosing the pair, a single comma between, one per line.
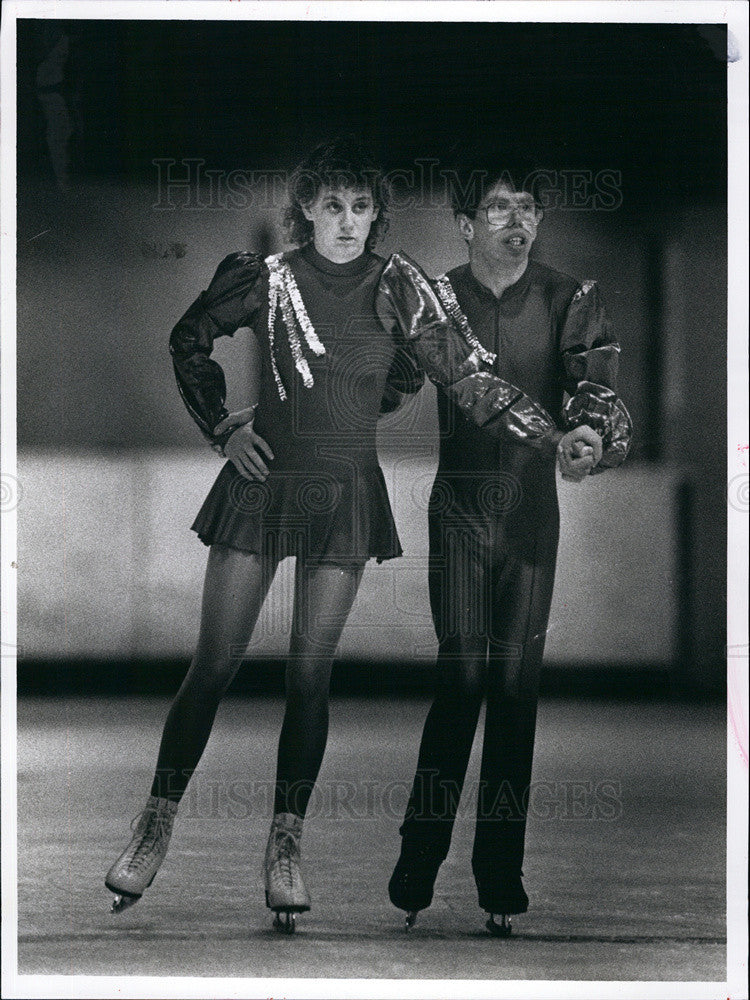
(306,211)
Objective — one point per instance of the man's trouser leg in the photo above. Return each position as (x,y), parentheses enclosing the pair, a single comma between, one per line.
(459,593)
(521,598)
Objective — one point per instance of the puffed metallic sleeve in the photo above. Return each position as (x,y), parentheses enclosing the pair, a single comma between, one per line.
(590,357)
(408,305)
(405,378)
(230,301)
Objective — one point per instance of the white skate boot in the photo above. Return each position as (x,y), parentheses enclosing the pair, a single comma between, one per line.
(285,891)
(134,870)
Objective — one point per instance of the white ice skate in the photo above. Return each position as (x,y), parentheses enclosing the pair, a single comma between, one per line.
(285,891)
(134,870)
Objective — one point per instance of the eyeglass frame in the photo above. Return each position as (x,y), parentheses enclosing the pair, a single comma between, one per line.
(512,208)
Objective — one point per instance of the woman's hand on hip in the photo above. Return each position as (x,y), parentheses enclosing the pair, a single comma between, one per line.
(245,449)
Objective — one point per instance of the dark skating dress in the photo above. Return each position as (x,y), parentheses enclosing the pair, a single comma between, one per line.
(325,361)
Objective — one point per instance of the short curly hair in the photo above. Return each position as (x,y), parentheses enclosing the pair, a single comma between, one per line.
(341,162)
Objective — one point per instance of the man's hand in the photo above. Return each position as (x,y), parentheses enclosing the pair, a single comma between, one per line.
(578,452)
(242,447)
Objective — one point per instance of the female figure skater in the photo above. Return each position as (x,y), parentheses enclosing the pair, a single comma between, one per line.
(303,477)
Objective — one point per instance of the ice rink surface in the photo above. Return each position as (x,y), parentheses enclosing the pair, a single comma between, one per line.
(625,858)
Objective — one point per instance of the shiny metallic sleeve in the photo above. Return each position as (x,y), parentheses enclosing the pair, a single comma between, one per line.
(407,304)
(404,379)
(228,303)
(591,356)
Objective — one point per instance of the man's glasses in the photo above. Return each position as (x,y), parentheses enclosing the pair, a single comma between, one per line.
(500,212)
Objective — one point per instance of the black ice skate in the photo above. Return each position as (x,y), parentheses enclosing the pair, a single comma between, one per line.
(501,893)
(503,929)
(413,879)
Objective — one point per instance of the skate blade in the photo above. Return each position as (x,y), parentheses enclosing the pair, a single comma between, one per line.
(120,903)
(411,919)
(286,924)
(285,908)
(503,929)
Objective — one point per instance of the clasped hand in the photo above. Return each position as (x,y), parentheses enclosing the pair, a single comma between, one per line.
(578,452)
(244,447)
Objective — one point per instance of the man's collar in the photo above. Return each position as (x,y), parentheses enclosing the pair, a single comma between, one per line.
(517,288)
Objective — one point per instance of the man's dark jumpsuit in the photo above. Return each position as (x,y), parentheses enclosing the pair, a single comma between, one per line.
(493,522)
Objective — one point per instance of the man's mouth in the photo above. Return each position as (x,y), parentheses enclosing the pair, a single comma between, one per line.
(516,240)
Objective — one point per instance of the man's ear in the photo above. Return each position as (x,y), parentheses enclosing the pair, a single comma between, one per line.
(465,226)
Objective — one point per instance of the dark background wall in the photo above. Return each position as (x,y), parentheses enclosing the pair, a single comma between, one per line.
(645,99)
(630,121)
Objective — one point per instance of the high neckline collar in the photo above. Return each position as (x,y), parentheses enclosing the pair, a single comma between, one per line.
(510,292)
(321,263)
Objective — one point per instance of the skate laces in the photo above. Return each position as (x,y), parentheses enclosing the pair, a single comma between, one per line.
(152,825)
(286,850)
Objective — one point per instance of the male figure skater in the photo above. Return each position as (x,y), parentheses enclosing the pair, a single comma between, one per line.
(493,526)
